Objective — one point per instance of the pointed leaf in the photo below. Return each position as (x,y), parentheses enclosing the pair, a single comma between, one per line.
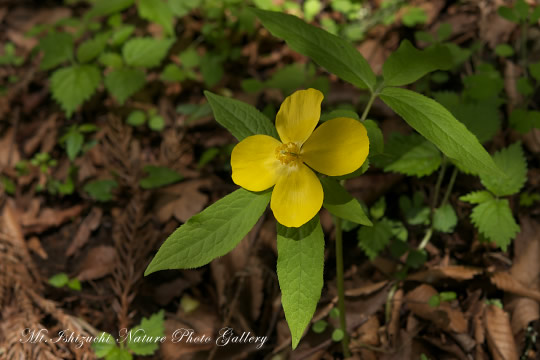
(146,52)
(300,273)
(73,85)
(124,82)
(157,11)
(153,328)
(57,48)
(341,204)
(494,219)
(512,161)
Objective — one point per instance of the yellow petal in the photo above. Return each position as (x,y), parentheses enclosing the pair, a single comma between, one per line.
(254,163)
(297,196)
(337,147)
(298,116)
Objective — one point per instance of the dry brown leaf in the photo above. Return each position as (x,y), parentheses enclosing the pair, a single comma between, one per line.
(89,224)
(506,282)
(368,334)
(35,245)
(181,201)
(49,218)
(455,272)
(99,262)
(443,316)
(526,267)
(366,289)
(11,225)
(9,154)
(393,326)
(524,311)
(499,334)
(479,333)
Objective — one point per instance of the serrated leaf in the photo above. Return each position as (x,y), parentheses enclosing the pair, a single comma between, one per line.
(146,52)
(74,142)
(213,232)
(376,139)
(118,354)
(511,161)
(157,11)
(91,48)
(153,328)
(408,64)
(300,266)
(110,59)
(57,48)
(103,344)
(341,204)
(108,7)
(335,54)
(477,197)
(440,127)
(241,119)
(409,155)
(100,190)
(159,176)
(375,238)
(495,221)
(73,85)
(483,86)
(445,219)
(124,82)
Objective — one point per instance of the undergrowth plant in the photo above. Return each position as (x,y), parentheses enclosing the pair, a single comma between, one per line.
(445,138)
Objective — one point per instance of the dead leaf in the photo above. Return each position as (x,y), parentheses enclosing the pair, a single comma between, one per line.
(35,245)
(524,311)
(443,316)
(366,289)
(181,201)
(49,218)
(99,262)
(9,154)
(11,225)
(499,334)
(393,325)
(89,224)
(506,282)
(437,273)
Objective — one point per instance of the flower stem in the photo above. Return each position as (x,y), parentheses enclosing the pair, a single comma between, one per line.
(450,186)
(368,106)
(438,185)
(341,287)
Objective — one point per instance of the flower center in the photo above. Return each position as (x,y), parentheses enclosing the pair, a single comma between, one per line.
(289,154)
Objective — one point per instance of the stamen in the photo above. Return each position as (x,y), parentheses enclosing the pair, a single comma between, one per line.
(289,154)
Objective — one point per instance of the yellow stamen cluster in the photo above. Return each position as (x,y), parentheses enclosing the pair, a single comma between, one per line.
(289,154)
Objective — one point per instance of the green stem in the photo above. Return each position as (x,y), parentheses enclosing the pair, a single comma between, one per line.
(426,238)
(450,186)
(438,185)
(368,107)
(341,287)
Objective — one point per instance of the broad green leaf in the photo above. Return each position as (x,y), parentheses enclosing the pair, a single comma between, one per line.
(152,327)
(124,82)
(241,119)
(300,266)
(483,85)
(375,238)
(534,68)
(103,344)
(213,232)
(335,54)
(146,52)
(189,58)
(409,155)
(90,49)
(408,64)
(118,354)
(504,50)
(522,10)
(157,11)
(524,120)
(111,59)
(74,142)
(445,219)
(59,280)
(108,7)
(477,197)
(376,140)
(508,13)
(100,190)
(211,69)
(71,86)
(57,48)
(159,176)
(511,161)
(414,16)
(495,221)
(136,118)
(121,34)
(341,204)
(438,125)
(173,73)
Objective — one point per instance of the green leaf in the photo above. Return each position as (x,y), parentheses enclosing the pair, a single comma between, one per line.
(121,34)
(153,328)
(59,280)
(376,139)
(414,209)
(173,73)
(118,354)
(74,142)
(504,50)
(8,184)
(445,219)
(136,118)
(448,296)
(494,220)
(444,32)
(212,233)
(124,82)
(522,10)
(103,344)
(90,49)
(319,326)
(508,13)
(524,121)
(524,86)
(535,15)
(375,238)
(483,86)
(477,197)
(300,266)
(378,209)
(337,335)
(189,58)
(414,16)
(146,52)
(335,54)
(157,11)
(438,125)
(409,155)
(71,86)
(100,190)
(416,258)
(408,64)
(241,119)
(156,122)
(341,204)
(110,59)
(534,68)
(434,301)
(108,7)
(511,161)
(182,7)
(57,48)
(211,69)
(159,176)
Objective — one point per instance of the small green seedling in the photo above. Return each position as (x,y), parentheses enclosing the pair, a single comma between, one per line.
(61,280)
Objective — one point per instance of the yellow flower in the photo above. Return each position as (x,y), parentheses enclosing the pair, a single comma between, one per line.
(337,147)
